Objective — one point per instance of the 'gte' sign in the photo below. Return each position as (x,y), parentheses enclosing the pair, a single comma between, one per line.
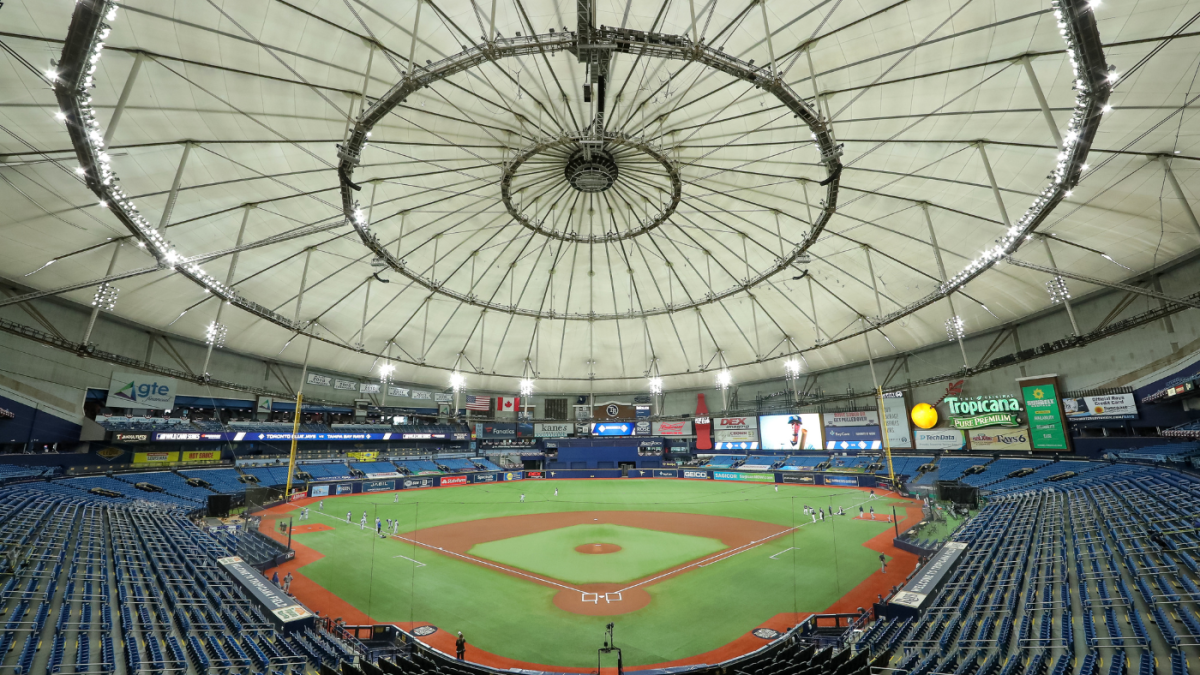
(734,423)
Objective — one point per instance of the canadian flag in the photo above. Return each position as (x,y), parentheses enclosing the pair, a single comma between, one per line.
(507,404)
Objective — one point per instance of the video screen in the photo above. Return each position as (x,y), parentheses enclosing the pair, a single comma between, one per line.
(791,432)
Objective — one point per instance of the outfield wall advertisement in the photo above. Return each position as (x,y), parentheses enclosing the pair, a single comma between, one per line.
(1110,407)
(702,475)
(738,475)
(995,440)
(791,432)
(895,414)
(939,439)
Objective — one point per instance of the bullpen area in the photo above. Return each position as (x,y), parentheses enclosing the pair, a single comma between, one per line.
(690,571)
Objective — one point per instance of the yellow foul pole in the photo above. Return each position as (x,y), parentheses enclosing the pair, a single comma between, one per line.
(287,491)
(887,445)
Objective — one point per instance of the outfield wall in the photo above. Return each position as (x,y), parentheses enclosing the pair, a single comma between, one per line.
(334,488)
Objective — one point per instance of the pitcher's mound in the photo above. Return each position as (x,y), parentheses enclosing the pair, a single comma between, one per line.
(597,548)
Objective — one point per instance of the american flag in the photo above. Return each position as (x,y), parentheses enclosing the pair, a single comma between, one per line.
(479,403)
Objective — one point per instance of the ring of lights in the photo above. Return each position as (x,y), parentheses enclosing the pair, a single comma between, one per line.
(568,142)
(84,44)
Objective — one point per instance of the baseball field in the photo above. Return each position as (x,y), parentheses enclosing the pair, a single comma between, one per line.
(688,570)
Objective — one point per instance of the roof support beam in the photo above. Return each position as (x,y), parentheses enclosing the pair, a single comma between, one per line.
(303,281)
(995,188)
(166,214)
(762,5)
(233,261)
(937,255)
(1187,207)
(112,263)
(124,98)
(1037,90)
(1066,301)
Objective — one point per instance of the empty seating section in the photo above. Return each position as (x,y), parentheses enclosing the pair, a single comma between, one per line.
(760,463)
(904,466)
(802,462)
(101,581)
(374,467)
(325,470)
(485,464)
(268,475)
(1164,452)
(950,468)
(12,473)
(173,483)
(723,462)
(220,480)
(415,466)
(457,465)
(852,462)
(1040,475)
(999,469)
(1099,568)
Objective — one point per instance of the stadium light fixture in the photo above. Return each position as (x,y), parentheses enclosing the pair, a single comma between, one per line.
(106,297)
(724,379)
(656,386)
(385,372)
(1057,288)
(956,328)
(526,387)
(215,333)
(791,369)
(457,383)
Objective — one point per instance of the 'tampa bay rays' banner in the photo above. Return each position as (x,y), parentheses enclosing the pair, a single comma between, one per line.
(997,439)
(285,611)
(141,391)
(926,582)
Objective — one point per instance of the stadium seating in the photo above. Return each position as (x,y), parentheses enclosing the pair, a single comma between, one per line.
(760,463)
(374,467)
(457,465)
(998,470)
(803,462)
(416,466)
(162,603)
(219,480)
(1165,452)
(485,464)
(268,475)
(325,470)
(13,473)
(904,465)
(723,462)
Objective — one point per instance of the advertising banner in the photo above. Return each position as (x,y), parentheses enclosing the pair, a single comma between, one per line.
(378,485)
(612,429)
(535,474)
(928,579)
(319,491)
(729,423)
(553,429)
(738,475)
(689,473)
(736,435)
(997,440)
(418,482)
(791,432)
(803,478)
(201,456)
(398,392)
(513,475)
(155,457)
(666,473)
(483,478)
(384,474)
(862,418)
(285,611)
(833,435)
(141,391)
(364,455)
(453,480)
(895,414)
(495,430)
(840,481)
(319,380)
(368,388)
(263,404)
(345,488)
(998,419)
(939,439)
(1111,407)
(419,395)
(669,428)
(641,428)
(737,445)
(1047,430)
(345,385)
(131,437)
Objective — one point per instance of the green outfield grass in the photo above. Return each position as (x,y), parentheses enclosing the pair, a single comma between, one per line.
(805,570)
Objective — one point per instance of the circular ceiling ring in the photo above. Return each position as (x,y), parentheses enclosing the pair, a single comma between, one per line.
(580,168)
(1076,22)
(652,45)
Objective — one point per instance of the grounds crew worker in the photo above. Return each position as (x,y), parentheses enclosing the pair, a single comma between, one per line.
(460,646)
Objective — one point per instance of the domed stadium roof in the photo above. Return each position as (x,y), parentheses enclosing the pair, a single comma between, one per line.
(679,187)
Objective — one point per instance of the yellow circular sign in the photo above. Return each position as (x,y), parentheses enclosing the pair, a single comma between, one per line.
(924,415)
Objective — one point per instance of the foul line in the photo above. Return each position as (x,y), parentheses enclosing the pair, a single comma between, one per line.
(790,548)
(418,562)
(480,561)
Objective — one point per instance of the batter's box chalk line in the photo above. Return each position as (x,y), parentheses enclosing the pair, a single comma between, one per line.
(591,597)
(609,597)
(595,597)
